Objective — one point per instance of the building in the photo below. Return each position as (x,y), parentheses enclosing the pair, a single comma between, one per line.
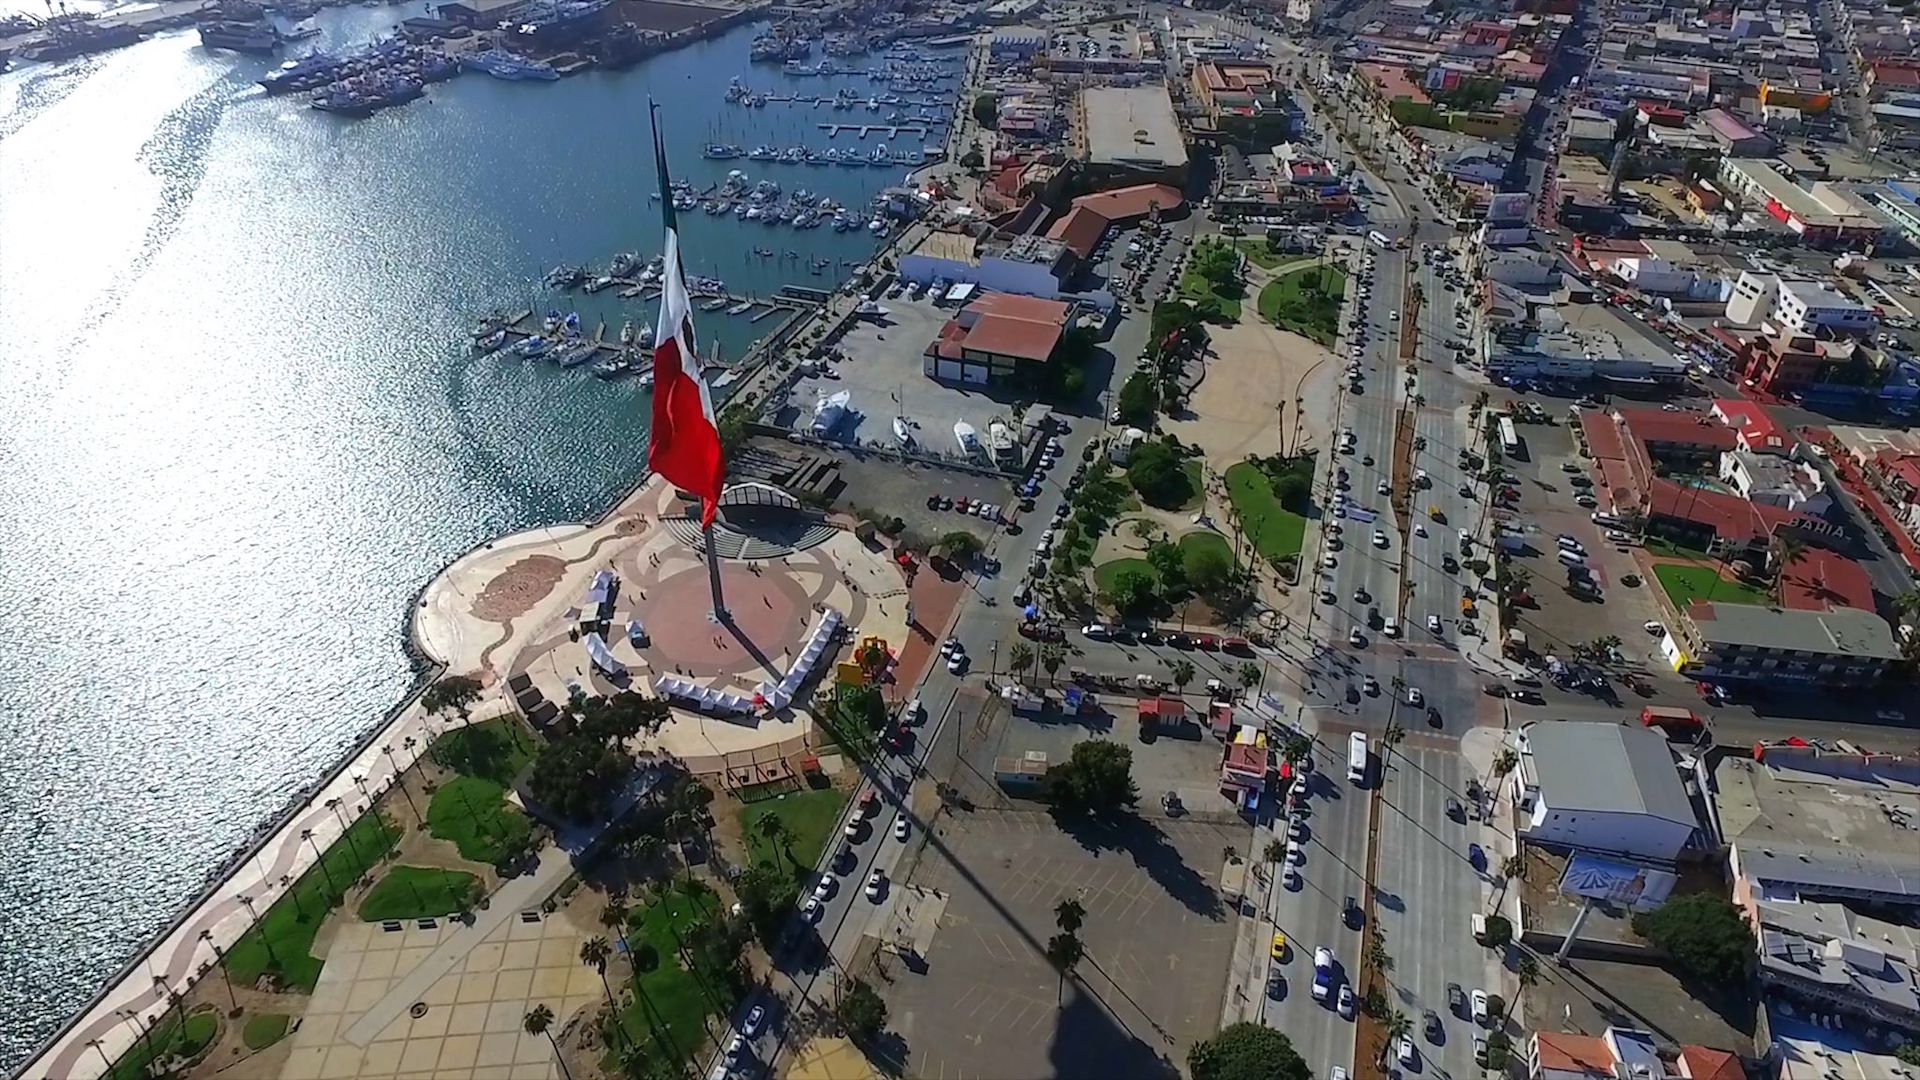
(1755,428)
(1132,131)
(1797,306)
(1775,481)
(1090,216)
(1602,787)
(1243,100)
(1734,136)
(1028,265)
(481,13)
(1623,1054)
(1823,858)
(1019,42)
(1819,219)
(1838,647)
(1245,763)
(996,338)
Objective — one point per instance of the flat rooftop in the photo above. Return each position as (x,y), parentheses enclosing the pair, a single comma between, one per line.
(1132,125)
(1814,821)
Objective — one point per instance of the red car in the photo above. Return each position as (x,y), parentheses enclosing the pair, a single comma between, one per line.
(1042,632)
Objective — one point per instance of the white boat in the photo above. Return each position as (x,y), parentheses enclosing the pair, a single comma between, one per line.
(646,379)
(901,431)
(869,310)
(830,411)
(966,436)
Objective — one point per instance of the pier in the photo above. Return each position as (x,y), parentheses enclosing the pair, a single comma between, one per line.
(918,131)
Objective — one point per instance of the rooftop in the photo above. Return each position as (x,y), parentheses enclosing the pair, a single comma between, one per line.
(1024,327)
(1818,822)
(1839,632)
(1819,580)
(1607,768)
(1132,126)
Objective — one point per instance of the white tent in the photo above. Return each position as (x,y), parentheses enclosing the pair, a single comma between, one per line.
(602,656)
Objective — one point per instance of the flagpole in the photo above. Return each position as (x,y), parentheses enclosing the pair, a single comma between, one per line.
(691,361)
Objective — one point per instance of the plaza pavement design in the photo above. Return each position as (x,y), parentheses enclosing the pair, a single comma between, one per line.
(505,609)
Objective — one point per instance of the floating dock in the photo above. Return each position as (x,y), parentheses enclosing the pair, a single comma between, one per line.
(918,131)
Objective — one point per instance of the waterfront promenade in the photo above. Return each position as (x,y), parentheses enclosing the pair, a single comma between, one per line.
(505,609)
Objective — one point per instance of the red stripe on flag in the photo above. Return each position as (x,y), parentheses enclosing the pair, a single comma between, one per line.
(685,447)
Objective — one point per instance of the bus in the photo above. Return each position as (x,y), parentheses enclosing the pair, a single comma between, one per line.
(1509,439)
(1380,240)
(1357,758)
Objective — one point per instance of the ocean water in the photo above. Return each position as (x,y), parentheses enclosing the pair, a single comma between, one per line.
(240,426)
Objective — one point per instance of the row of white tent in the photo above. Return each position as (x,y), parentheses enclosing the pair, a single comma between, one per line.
(773,696)
(705,696)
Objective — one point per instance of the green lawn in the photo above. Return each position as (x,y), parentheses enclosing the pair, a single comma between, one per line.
(1290,303)
(168,1037)
(1109,572)
(1258,253)
(1202,540)
(1685,584)
(809,817)
(1276,532)
(679,1002)
(283,939)
(495,750)
(1196,483)
(1194,286)
(1660,545)
(263,1030)
(473,813)
(418,892)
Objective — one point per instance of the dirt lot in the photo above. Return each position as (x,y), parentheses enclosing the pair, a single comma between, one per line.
(1256,370)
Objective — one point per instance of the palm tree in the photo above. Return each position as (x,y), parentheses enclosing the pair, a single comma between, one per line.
(1249,675)
(1051,657)
(1182,672)
(1783,550)
(614,917)
(1020,656)
(1513,866)
(1069,915)
(1275,851)
(540,1022)
(594,953)
(1527,970)
(777,833)
(1398,1025)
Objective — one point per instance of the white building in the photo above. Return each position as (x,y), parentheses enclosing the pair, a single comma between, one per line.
(1797,306)
(1775,481)
(1804,306)
(1601,787)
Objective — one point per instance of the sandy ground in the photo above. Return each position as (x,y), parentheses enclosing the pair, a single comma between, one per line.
(1266,390)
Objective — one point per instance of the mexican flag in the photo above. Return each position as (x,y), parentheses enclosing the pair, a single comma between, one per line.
(685,447)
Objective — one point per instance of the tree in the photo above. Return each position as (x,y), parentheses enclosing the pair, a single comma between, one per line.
(1181,672)
(1249,675)
(1513,866)
(1527,971)
(1051,657)
(960,546)
(1063,952)
(1782,550)
(1069,915)
(1499,1047)
(862,1012)
(594,953)
(1908,1053)
(1138,399)
(777,834)
(766,897)
(1296,747)
(972,159)
(1246,1051)
(986,110)
(575,776)
(1208,569)
(1499,932)
(1020,656)
(1294,492)
(1133,591)
(1160,476)
(1097,778)
(1275,851)
(456,692)
(1705,934)
(1397,1027)
(1166,562)
(540,1022)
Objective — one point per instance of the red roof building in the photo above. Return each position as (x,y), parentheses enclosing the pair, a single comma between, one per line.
(1244,766)
(992,337)
(1820,580)
(1753,426)
(1092,215)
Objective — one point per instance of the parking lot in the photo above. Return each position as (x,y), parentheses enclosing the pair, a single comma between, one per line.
(1157,936)
(883,365)
(1546,510)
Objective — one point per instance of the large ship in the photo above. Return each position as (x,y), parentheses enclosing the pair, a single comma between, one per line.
(68,39)
(510,66)
(259,38)
(305,73)
(352,100)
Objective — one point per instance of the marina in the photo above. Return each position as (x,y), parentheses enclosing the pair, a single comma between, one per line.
(432,445)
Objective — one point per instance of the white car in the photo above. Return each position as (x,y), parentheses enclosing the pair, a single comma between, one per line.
(1345,1002)
(1296,854)
(951,646)
(1480,1013)
(1433,624)
(1354,639)
(756,1018)
(1419,528)
(957,663)
(823,889)
(1383,488)
(1391,628)
(875,882)
(900,828)
(735,1047)
(1329,561)
(1339,1072)
(1414,697)
(1379,538)
(1096,631)
(1405,1052)
(1654,628)
(810,909)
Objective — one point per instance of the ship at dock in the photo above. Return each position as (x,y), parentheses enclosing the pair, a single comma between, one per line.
(360,98)
(510,66)
(255,37)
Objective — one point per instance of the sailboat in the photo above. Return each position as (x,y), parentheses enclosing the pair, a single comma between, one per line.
(902,432)
(966,436)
